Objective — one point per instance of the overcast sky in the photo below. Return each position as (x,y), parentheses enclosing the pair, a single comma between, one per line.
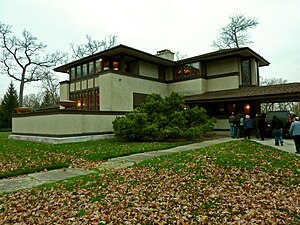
(187,26)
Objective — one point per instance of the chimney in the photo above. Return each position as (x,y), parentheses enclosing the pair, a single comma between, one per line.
(165,54)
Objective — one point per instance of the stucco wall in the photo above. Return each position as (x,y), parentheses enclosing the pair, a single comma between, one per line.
(222,66)
(116,91)
(222,83)
(222,124)
(188,87)
(148,70)
(62,124)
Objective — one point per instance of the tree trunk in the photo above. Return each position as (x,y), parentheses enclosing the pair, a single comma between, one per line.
(21,93)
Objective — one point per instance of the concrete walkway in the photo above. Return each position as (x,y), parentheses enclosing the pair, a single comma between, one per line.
(36,179)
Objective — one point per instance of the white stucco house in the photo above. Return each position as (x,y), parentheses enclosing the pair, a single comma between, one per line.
(112,82)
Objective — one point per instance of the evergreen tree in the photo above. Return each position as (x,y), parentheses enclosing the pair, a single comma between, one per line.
(7,107)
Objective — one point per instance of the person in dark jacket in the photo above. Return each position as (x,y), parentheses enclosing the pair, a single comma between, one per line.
(248,125)
(262,126)
(276,125)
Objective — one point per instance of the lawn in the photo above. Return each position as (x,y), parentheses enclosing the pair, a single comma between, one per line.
(23,157)
(238,182)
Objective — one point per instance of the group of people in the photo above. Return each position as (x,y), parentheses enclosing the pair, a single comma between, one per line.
(242,127)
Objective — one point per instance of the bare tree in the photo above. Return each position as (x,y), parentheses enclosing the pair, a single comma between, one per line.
(272,81)
(179,56)
(50,87)
(235,35)
(93,46)
(25,59)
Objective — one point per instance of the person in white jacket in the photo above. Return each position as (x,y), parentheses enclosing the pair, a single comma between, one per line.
(295,133)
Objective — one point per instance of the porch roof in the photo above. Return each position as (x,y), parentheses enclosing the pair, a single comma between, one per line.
(273,93)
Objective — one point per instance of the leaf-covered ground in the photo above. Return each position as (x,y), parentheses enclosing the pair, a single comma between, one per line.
(239,182)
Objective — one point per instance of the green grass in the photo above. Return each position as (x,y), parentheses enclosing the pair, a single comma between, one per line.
(22,157)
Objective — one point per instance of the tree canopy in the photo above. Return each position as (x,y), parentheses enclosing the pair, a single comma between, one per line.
(92,46)
(235,34)
(7,107)
(24,58)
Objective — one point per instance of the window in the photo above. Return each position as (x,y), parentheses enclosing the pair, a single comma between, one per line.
(97,107)
(84,70)
(91,100)
(188,70)
(98,66)
(86,100)
(73,73)
(78,71)
(246,72)
(115,65)
(91,68)
(195,69)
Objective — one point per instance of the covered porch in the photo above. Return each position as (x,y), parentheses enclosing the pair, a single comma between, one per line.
(244,100)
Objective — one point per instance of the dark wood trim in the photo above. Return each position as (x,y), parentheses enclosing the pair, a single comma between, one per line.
(222,75)
(69,111)
(61,136)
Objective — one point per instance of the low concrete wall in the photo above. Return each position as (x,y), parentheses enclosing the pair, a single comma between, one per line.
(63,123)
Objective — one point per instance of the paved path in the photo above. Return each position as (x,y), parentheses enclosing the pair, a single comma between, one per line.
(36,179)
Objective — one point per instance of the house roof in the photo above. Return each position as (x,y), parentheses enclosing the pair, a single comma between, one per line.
(120,49)
(133,54)
(244,52)
(271,93)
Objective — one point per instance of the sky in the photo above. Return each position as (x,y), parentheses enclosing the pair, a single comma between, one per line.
(188,26)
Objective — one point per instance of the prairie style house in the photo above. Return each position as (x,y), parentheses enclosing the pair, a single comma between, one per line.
(112,82)
(118,79)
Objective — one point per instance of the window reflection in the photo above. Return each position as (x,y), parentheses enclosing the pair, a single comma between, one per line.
(84,70)
(91,68)
(188,70)
(246,74)
(78,71)
(73,73)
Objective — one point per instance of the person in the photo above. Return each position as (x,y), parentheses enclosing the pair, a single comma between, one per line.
(255,124)
(262,126)
(248,126)
(276,125)
(294,131)
(232,124)
(240,126)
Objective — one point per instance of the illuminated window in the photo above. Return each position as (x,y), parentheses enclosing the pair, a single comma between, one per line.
(91,100)
(84,101)
(188,70)
(115,65)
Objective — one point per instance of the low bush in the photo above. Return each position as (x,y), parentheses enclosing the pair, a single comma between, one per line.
(163,119)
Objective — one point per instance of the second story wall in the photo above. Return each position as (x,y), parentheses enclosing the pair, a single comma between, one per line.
(148,70)
(222,67)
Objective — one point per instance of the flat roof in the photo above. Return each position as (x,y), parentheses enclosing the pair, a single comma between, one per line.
(137,54)
(280,92)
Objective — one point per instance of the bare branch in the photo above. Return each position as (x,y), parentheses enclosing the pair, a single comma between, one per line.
(235,35)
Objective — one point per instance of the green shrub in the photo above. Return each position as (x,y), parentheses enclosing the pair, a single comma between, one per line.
(163,119)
